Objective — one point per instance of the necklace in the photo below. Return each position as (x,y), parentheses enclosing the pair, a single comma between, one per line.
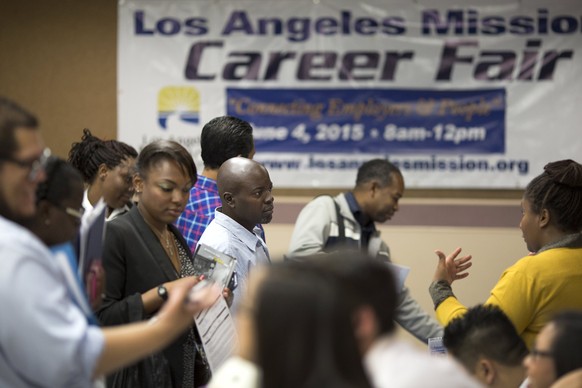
(171,250)
(167,243)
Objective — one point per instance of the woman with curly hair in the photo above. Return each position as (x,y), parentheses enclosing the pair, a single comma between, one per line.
(107,167)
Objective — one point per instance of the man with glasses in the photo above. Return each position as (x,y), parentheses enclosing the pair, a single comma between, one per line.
(45,339)
(556,357)
(22,158)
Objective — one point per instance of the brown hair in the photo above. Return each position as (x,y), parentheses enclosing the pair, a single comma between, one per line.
(166,150)
(12,117)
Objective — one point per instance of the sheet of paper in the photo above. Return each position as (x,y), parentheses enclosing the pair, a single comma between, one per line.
(217,332)
(214,264)
(400,273)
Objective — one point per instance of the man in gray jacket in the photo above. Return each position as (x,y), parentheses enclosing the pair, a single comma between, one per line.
(328,224)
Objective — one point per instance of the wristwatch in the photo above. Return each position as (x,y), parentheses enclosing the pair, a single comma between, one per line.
(163,292)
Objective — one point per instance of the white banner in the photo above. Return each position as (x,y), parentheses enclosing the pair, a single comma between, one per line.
(459,97)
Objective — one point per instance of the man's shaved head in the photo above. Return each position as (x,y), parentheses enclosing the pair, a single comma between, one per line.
(245,190)
(233,173)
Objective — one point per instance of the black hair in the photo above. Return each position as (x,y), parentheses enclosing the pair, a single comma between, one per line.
(381,170)
(91,152)
(484,330)
(369,279)
(567,343)
(160,150)
(12,117)
(305,331)
(223,138)
(60,178)
(559,190)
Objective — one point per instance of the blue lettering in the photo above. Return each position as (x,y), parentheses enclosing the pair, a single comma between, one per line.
(168,26)
(432,18)
(138,18)
(326,26)
(564,25)
(196,26)
(238,21)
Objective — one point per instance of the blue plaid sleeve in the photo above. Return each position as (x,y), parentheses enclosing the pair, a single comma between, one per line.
(199,212)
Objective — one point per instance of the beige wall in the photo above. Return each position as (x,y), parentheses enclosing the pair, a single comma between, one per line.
(58,59)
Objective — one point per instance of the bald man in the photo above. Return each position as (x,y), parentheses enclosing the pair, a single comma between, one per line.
(245,188)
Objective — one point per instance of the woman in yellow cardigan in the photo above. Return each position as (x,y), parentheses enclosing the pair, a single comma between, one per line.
(548,280)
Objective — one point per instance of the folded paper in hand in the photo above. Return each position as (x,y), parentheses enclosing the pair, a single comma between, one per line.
(213,264)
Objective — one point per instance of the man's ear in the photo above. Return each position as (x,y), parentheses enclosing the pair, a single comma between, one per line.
(544,218)
(228,199)
(374,188)
(485,371)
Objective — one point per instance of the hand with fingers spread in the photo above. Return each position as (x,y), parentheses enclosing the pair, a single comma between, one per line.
(451,268)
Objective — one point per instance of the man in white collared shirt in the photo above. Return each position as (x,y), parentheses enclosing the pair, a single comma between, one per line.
(245,191)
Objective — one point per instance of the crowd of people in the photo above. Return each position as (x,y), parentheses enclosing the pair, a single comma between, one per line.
(325,315)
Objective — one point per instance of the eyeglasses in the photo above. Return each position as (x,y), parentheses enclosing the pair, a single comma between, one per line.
(35,167)
(77,213)
(535,353)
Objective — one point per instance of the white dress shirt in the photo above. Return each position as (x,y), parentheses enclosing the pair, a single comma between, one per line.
(392,362)
(228,236)
(45,339)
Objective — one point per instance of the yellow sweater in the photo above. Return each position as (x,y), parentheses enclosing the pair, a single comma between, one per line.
(531,291)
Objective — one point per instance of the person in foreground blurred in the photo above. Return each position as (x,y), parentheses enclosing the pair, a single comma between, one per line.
(107,167)
(549,279)
(389,361)
(270,335)
(46,340)
(485,342)
(296,330)
(557,351)
(569,380)
(145,257)
(58,204)
(57,222)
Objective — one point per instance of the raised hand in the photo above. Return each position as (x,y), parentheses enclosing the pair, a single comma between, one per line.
(451,268)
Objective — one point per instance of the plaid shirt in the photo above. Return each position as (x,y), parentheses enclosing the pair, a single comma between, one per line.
(199,211)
